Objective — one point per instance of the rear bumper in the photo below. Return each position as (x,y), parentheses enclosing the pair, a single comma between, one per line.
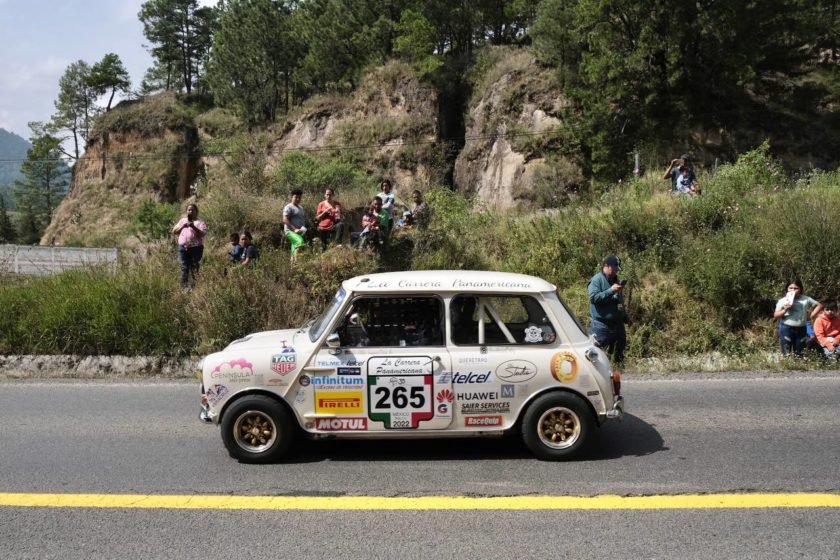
(617,411)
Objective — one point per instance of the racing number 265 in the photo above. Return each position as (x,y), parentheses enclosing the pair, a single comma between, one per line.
(400,397)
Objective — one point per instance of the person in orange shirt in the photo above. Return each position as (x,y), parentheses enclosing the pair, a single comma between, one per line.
(328,216)
(827,329)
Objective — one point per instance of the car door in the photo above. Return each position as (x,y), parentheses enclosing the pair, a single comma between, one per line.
(390,370)
(499,345)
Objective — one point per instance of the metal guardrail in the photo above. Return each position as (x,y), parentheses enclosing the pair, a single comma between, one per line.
(35,260)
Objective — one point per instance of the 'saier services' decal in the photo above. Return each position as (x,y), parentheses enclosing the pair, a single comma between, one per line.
(564,367)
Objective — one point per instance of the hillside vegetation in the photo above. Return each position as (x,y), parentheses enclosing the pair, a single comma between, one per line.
(519,125)
(704,273)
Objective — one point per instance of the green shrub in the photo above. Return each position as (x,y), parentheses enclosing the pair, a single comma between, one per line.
(154,220)
(734,273)
(312,174)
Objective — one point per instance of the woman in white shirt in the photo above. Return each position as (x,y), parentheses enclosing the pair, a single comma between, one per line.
(793,313)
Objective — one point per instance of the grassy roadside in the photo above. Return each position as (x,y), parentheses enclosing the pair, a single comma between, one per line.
(704,274)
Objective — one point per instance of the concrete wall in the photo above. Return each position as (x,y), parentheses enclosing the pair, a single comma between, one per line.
(41,261)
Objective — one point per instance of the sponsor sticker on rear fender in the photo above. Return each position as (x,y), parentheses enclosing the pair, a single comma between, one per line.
(516,371)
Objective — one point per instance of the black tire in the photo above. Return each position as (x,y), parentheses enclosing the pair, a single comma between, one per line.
(257,429)
(556,426)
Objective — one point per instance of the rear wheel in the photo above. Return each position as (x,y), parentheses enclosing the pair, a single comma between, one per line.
(257,429)
(556,426)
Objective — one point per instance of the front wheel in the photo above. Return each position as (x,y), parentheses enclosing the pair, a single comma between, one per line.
(257,429)
(556,426)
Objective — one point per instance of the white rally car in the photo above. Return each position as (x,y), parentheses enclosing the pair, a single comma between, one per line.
(417,354)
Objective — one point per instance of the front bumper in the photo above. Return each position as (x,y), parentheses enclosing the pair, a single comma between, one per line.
(617,411)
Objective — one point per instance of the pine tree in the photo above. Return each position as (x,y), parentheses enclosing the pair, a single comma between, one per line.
(76,105)
(7,230)
(253,58)
(109,74)
(180,32)
(44,184)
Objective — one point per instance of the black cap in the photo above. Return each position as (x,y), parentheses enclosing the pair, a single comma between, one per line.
(614,262)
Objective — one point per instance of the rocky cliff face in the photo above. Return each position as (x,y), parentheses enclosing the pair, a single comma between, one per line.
(150,150)
(514,132)
(126,164)
(389,125)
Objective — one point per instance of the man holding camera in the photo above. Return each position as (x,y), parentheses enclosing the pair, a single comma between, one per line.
(605,307)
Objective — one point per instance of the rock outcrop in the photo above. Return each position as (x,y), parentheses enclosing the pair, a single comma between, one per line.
(389,124)
(514,126)
(138,152)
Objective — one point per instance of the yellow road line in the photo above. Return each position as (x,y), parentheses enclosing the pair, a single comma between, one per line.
(281,503)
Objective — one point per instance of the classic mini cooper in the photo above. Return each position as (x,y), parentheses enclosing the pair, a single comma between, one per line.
(417,354)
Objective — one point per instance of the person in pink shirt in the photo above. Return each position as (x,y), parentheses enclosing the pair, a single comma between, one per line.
(827,329)
(190,231)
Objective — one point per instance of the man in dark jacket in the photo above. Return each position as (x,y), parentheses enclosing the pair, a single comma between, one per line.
(605,308)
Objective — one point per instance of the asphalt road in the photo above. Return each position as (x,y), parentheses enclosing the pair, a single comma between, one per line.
(732,434)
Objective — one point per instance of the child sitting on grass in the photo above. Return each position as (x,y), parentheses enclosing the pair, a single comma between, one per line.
(827,329)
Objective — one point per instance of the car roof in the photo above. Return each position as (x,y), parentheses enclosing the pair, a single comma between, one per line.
(457,281)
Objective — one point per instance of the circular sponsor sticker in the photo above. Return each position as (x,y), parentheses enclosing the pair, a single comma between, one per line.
(304,380)
(564,367)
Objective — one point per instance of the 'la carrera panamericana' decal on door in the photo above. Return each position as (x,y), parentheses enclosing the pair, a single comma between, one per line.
(400,390)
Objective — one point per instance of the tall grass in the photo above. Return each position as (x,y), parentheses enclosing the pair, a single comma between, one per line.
(704,273)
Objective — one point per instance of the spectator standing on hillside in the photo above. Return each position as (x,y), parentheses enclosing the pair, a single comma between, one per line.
(420,212)
(792,312)
(389,199)
(605,299)
(294,222)
(328,216)
(190,231)
(673,173)
(827,329)
(248,251)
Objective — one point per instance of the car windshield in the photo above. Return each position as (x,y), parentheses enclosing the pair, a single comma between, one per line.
(321,322)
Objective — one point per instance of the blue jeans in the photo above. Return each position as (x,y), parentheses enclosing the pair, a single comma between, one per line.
(792,339)
(189,257)
(611,337)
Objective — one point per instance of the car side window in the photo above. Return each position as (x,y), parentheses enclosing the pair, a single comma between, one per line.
(499,320)
(393,321)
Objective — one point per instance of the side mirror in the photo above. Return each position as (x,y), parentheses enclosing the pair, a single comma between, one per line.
(333,340)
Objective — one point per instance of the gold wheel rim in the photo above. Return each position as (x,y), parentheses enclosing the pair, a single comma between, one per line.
(254,431)
(558,428)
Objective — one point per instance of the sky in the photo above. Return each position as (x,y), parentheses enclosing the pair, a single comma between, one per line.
(40,38)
